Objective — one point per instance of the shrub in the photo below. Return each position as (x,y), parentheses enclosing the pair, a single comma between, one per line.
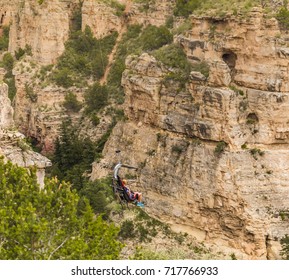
(244,146)
(283,17)
(129,44)
(84,57)
(119,8)
(63,78)
(19,53)
(177,149)
(76,19)
(237,90)
(30,93)
(71,103)
(9,78)
(127,230)
(8,61)
(154,37)
(96,97)
(255,151)
(220,148)
(10,81)
(94,119)
(4,39)
(202,67)
(186,7)
(175,58)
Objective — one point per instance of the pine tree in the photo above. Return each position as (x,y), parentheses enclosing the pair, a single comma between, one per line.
(49,224)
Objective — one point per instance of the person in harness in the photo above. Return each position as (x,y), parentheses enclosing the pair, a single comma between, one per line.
(134,196)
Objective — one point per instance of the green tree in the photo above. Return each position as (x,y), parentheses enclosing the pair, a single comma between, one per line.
(9,78)
(186,7)
(96,97)
(175,58)
(74,154)
(71,103)
(100,195)
(4,39)
(84,57)
(154,37)
(8,61)
(48,224)
(283,17)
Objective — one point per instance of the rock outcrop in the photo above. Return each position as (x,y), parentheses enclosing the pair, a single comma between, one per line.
(13,145)
(42,27)
(111,17)
(214,156)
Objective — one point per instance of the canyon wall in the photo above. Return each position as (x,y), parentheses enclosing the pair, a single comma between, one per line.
(13,145)
(214,155)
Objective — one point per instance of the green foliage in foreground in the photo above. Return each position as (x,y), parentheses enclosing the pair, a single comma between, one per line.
(48,224)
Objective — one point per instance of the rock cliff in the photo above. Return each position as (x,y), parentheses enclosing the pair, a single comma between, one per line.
(214,155)
(43,27)
(13,145)
(111,17)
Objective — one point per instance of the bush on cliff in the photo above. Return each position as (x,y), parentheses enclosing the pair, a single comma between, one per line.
(186,7)
(84,57)
(283,18)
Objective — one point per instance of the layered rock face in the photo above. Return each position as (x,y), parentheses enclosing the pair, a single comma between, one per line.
(107,17)
(43,27)
(110,18)
(213,157)
(13,145)
(7,11)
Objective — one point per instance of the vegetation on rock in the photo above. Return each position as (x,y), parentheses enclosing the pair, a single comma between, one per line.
(4,39)
(84,57)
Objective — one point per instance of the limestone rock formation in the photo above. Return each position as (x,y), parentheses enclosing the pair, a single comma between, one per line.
(110,17)
(42,27)
(107,17)
(6,110)
(13,145)
(214,156)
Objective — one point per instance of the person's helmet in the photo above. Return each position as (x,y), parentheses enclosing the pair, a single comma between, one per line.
(124,181)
